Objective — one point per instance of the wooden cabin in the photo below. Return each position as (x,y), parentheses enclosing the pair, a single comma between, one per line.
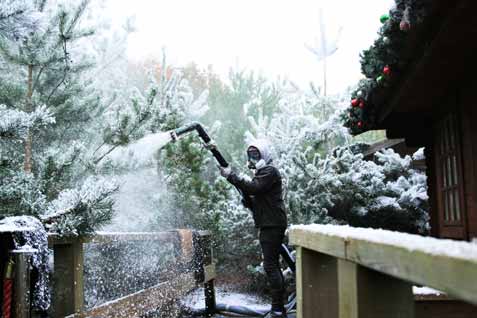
(434,105)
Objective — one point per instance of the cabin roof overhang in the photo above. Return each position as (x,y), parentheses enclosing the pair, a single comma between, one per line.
(442,52)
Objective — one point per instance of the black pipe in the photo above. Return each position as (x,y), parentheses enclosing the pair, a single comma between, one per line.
(175,134)
(288,257)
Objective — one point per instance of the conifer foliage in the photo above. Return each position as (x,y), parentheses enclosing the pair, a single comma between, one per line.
(46,107)
(383,63)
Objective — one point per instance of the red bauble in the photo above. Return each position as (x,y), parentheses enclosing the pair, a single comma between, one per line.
(404,26)
(360,124)
(354,102)
(361,104)
(387,70)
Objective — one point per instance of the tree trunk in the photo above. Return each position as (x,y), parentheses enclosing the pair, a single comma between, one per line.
(29,108)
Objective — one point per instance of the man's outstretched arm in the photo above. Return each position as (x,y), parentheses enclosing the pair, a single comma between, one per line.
(262,182)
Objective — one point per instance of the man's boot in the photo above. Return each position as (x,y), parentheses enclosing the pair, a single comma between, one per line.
(278,314)
(278,309)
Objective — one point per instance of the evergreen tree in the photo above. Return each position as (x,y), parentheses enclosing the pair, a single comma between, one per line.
(46,106)
(17,17)
(343,188)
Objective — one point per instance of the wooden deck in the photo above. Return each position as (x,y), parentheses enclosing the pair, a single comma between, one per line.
(347,272)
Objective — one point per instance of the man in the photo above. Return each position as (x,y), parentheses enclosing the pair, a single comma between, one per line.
(263,195)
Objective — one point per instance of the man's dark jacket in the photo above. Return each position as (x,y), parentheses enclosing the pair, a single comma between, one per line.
(266,197)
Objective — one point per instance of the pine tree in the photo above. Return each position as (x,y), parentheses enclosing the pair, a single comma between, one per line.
(17,17)
(342,187)
(46,107)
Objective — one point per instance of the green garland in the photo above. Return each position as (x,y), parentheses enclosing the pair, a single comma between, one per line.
(382,61)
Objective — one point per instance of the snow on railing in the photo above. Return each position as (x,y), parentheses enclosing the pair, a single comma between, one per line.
(352,272)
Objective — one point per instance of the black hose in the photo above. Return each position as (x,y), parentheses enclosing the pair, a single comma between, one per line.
(287,256)
(242,311)
(204,136)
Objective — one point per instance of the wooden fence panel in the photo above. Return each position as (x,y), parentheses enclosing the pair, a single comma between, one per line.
(142,302)
(193,249)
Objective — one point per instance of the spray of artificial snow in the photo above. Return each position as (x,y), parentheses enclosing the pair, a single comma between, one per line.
(140,184)
(120,268)
(136,201)
(141,152)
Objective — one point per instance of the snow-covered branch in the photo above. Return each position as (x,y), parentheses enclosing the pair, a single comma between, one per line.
(80,210)
(15,123)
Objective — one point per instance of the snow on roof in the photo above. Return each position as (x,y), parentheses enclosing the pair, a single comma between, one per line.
(426,291)
(411,242)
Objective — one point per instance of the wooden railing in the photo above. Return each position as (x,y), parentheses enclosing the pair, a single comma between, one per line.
(349,272)
(194,265)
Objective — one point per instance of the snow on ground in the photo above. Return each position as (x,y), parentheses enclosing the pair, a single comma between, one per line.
(195,300)
(410,242)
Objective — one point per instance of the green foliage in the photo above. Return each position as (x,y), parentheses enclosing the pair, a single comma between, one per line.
(247,95)
(44,93)
(389,50)
(344,188)
(200,196)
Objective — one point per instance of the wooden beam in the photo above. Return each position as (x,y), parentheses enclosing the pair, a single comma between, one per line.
(318,242)
(186,248)
(348,289)
(316,284)
(21,284)
(450,274)
(210,301)
(366,293)
(440,272)
(106,237)
(145,301)
(68,295)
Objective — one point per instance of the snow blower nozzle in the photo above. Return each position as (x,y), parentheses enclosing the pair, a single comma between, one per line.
(176,133)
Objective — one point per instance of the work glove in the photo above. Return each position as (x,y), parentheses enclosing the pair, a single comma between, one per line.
(210,145)
(225,172)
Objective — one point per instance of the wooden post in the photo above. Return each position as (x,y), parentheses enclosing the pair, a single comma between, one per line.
(347,289)
(185,245)
(209,281)
(205,269)
(210,303)
(316,284)
(367,293)
(21,284)
(68,297)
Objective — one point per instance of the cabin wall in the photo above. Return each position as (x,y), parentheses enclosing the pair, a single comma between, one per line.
(431,190)
(468,114)
(461,101)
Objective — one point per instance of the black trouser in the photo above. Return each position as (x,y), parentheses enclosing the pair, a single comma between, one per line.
(271,240)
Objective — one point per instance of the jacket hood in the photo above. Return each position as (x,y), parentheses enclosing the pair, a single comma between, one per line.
(263,148)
